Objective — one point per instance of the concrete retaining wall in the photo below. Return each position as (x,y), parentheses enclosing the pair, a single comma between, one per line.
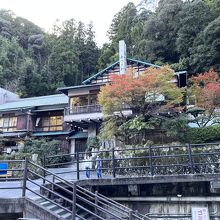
(170,210)
(11,209)
(33,210)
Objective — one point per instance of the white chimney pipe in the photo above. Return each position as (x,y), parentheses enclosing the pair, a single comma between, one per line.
(122,56)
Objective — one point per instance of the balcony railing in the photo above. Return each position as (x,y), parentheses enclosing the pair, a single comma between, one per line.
(83,109)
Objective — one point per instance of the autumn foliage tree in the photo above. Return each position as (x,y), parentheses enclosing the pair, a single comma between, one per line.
(151,96)
(205,88)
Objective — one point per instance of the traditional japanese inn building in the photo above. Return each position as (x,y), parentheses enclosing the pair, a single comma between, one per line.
(71,117)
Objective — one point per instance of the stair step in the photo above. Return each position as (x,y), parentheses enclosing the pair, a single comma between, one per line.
(59,211)
(36,198)
(52,206)
(39,200)
(66,215)
(46,203)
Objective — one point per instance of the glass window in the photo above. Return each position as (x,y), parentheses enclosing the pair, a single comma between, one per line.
(45,122)
(52,123)
(93,99)
(83,100)
(74,101)
(8,123)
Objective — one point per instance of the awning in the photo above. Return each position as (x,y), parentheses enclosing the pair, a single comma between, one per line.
(13,134)
(79,135)
(55,133)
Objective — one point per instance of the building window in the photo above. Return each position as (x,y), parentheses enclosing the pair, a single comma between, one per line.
(52,123)
(8,123)
(84,100)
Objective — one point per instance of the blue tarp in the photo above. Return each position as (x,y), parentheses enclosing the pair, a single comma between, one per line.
(3,168)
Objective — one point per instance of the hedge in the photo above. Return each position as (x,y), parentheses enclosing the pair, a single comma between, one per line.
(203,135)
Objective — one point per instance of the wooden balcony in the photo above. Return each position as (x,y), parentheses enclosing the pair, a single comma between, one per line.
(88,112)
(83,109)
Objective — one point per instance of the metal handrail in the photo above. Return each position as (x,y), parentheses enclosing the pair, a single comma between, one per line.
(153,158)
(83,109)
(68,184)
(97,202)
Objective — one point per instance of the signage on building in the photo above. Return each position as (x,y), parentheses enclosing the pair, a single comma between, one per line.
(200,213)
(122,56)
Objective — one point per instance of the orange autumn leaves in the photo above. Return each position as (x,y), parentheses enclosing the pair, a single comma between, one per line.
(140,92)
(206,88)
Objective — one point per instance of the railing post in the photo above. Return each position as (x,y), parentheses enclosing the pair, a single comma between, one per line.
(151,161)
(113,163)
(96,202)
(130,215)
(25,177)
(74,202)
(190,158)
(44,165)
(77,165)
(52,188)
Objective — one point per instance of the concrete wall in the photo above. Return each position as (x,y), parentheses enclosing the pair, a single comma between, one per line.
(11,209)
(181,210)
(33,210)
(11,205)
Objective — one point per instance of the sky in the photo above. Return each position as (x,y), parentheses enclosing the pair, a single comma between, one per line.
(44,13)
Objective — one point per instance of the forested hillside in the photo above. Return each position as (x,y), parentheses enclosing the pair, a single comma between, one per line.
(34,63)
(184,34)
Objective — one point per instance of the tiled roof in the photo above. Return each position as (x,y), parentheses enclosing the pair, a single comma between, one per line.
(79,135)
(36,102)
(55,133)
(65,89)
(13,134)
(129,61)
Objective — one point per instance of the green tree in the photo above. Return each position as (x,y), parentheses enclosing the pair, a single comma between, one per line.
(160,32)
(206,49)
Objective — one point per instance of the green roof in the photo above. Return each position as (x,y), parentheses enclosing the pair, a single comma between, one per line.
(13,134)
(54,133)
(40,101)
(129,61)
(79,135)
(65,89)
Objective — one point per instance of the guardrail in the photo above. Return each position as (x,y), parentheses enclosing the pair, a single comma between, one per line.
(82,109)
(12,170)
(87,109)
(145,161)
(67,195)
(96,204)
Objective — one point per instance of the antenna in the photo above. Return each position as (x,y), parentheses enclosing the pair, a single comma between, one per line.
(122,56)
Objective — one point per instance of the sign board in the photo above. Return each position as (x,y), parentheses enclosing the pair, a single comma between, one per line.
(122,56)
(200,213)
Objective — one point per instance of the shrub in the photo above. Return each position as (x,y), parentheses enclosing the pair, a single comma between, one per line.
(204,134)
(43,147)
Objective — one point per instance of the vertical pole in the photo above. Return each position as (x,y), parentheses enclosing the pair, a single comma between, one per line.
(44,165)
(190,159)
(96,202)
(113,163)
(77,165)
(151,161)
(52,188)
(25,177)
(74,202)
(130,214)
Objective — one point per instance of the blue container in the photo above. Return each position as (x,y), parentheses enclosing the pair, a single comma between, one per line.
(3,168)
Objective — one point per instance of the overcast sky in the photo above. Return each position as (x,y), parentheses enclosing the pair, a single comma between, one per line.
(45,12)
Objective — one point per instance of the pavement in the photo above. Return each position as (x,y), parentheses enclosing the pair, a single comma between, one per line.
(64,173)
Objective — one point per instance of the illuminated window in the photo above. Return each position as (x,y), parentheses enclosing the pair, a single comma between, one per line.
(8,123)
(52,123)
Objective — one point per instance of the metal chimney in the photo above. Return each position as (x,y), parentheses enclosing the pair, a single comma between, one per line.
(122,56)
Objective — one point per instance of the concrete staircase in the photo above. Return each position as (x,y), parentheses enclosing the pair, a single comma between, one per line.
(62,212)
